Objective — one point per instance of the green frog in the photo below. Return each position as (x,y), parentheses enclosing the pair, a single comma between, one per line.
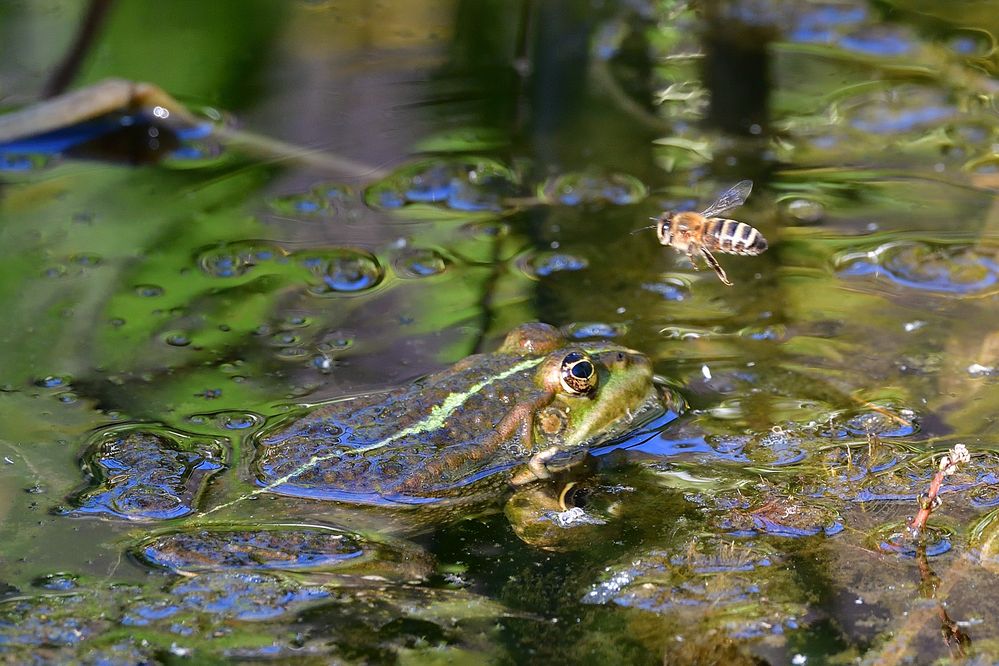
(532,407)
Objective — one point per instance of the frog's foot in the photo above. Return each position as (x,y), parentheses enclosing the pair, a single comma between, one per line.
(536,469)
(539,466)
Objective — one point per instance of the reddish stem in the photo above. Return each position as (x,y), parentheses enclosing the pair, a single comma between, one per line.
(928,503)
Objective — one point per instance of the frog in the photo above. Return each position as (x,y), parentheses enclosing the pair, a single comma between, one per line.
(518,415)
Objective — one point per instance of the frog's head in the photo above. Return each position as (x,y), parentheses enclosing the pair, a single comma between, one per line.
(598,393)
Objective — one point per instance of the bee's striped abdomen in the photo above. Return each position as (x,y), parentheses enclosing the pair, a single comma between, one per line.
(734,237)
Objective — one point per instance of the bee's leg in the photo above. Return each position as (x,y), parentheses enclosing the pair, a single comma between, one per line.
(713,263)
(692,251)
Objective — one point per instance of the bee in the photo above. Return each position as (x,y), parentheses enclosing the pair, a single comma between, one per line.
(700,233)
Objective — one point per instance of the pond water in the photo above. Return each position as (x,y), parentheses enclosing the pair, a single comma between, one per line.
(375,191)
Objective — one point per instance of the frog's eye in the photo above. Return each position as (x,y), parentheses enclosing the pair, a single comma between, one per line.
(579,376)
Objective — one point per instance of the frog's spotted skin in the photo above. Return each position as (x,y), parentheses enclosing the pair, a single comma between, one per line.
(428,441)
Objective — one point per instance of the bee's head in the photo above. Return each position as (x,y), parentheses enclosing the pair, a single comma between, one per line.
(663,228)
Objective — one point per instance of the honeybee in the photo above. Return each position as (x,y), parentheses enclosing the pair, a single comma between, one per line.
(703,232)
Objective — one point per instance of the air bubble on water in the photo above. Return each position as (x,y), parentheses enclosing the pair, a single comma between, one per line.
(235,259)
(342,270)
(670,289)
(53,381)
(589,330)
(291,353)
(544,264)
(177,339)
(58,582)
(284,339)
(238,420)
(804,211)
(419,263)
(149,290)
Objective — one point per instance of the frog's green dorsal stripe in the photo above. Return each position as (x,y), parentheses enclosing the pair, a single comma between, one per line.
(434,420)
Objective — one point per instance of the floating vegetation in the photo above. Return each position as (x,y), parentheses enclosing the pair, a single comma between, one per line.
(143,474)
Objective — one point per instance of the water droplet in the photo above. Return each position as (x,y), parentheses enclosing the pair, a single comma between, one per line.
(284,339)
(336,341)
(573,189)
(177,339)
(67,397)
(59,582)
(417,263)
(149,290)
(897,540)
(583,331)
(671,289)
(117,322)
(972,42)
(485,230)
(238,420)
(291,353)
(803,211)
(544,264)
(88,260)
(56,271)
(53,381)
(235,259)
(343,271)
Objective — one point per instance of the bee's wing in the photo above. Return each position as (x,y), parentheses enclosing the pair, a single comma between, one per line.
(729,199)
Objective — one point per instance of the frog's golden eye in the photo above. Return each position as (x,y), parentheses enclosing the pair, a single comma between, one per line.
(579,376)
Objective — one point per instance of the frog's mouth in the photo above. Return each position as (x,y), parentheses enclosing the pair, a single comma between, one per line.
(627,419)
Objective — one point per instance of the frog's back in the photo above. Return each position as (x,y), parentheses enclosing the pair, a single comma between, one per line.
(421,443)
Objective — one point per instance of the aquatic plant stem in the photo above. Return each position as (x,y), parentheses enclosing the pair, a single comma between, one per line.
(930,500)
